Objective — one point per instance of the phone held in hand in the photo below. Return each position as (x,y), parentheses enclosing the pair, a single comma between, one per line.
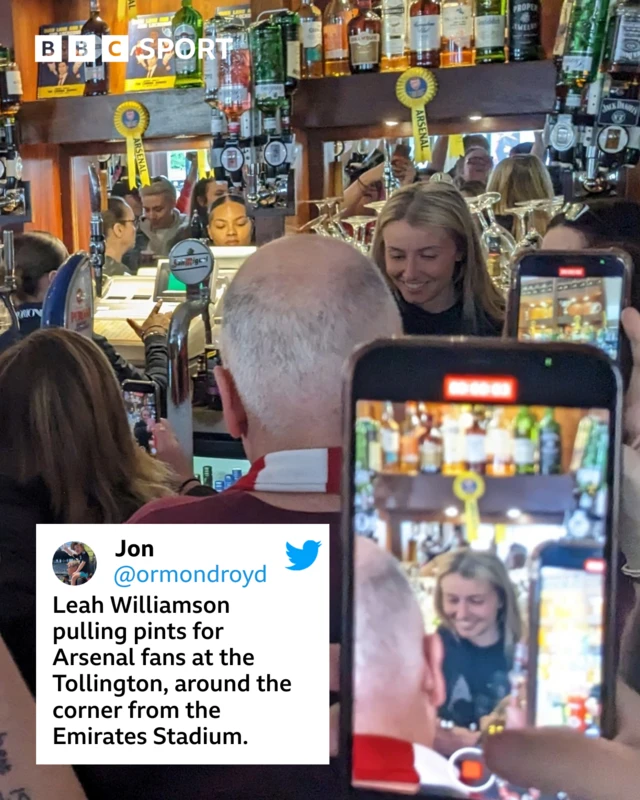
(142,407)
(573,297)
(480,485)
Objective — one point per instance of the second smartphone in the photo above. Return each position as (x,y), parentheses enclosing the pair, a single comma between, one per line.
(143,412)
(573,297)
(485,477)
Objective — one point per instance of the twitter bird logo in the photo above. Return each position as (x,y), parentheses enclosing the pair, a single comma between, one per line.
(302,558)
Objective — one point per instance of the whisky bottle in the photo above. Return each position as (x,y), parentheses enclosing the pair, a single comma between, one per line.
(625,47)
(560,42)
(584,42)
(289,23)
(187,27)
(10,83)
(394,36)
(424,33)
(335,37)
(490,25)
(524,30)
(457,34)
(499,446)
(311,35)
(475,447)
(410,434)
(525,436)
(550,444)
(96,73)
(430,446)
(364,39)
(389,439)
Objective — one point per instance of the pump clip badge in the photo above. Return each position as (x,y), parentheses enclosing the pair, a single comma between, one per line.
(415,88)
(191,262)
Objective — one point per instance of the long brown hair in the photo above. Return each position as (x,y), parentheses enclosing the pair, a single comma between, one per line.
(442,205)
(63,422)
(518,179)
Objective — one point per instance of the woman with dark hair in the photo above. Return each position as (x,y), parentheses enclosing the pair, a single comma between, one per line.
(229,223)
(205,192)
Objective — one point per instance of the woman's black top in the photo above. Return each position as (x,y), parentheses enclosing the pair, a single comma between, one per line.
(418,322)
(477,679)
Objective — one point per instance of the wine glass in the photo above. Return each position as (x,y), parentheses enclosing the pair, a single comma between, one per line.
(532,235)
(359,225)
(377,205)
(486,202)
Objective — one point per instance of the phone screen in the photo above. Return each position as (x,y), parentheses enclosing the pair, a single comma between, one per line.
(585,310)
(142,414)
(487,611)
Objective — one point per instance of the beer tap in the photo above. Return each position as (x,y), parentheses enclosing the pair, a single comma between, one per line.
(98,194)
(391,183)
(8,319)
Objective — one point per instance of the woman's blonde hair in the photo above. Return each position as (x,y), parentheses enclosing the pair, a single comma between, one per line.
(518,179)
(474,564)
(442,205)
(63,424)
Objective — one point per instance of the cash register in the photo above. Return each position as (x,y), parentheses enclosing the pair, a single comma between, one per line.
(133,297)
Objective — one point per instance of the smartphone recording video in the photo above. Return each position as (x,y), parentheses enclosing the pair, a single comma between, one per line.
(141,404)
(571,297)
(479,603)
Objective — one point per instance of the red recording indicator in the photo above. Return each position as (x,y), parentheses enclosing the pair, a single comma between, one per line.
(478,387)
(594,565)
(571,272)
(471,771)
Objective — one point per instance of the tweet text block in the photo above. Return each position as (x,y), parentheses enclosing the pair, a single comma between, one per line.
(216,652)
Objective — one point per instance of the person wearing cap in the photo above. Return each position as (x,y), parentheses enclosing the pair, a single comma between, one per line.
(162,224)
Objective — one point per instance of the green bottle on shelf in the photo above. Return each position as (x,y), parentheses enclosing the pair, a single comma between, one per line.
(525,439)
(187,26)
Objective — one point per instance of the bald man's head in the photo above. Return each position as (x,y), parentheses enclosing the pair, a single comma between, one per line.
(398,679)
(293,314)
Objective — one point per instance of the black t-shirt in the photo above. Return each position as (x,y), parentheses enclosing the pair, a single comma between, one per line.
(84,557)
(418,322)
(477,679)
(29,317)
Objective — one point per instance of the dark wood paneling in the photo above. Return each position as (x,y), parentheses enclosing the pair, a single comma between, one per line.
(41,168)
(491,90)
(6,23)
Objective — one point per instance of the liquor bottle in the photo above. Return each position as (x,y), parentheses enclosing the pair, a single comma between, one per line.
(560,42)
(452,455)
(430,448)
(524,30)
(394,36)
(234,91)
(499,446)
(268,67)
(336,38)
(424,416)
(289,23)
(494,255)
(362,438)
(625,47)
(424,33)
(211,64)
(410,434)
(490,27)
(475,453)
(311,35)
(457,34)
(389,439)
(550,444)
(96,73)
(375,445)
(364,39)
(10,83)
(187,25)
(584,42)
(524,442)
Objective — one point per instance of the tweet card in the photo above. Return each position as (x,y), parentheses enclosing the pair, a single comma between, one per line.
(195,644)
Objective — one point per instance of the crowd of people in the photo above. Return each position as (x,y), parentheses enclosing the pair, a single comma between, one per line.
(293,314)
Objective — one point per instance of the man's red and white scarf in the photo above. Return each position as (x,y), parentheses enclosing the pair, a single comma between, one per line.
(310,471)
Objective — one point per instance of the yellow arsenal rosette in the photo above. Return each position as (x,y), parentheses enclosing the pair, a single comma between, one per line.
(415,88)
(128,7)
(203,165)
(131,120)
(456,146)
(469,487)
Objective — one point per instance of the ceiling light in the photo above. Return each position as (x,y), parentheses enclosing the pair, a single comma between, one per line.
(475,117)
(514,513)
(391,123)
(451,511)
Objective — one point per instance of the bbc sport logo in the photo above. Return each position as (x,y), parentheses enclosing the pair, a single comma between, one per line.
(48,49)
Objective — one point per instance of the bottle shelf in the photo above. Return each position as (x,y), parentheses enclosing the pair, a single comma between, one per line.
(541,499)
(487,90)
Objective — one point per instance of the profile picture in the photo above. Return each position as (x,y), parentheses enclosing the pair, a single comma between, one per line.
(74,563)
(416,87)
(131,118)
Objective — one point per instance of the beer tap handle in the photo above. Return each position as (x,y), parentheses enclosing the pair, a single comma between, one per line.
(98,204)
(8,253)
